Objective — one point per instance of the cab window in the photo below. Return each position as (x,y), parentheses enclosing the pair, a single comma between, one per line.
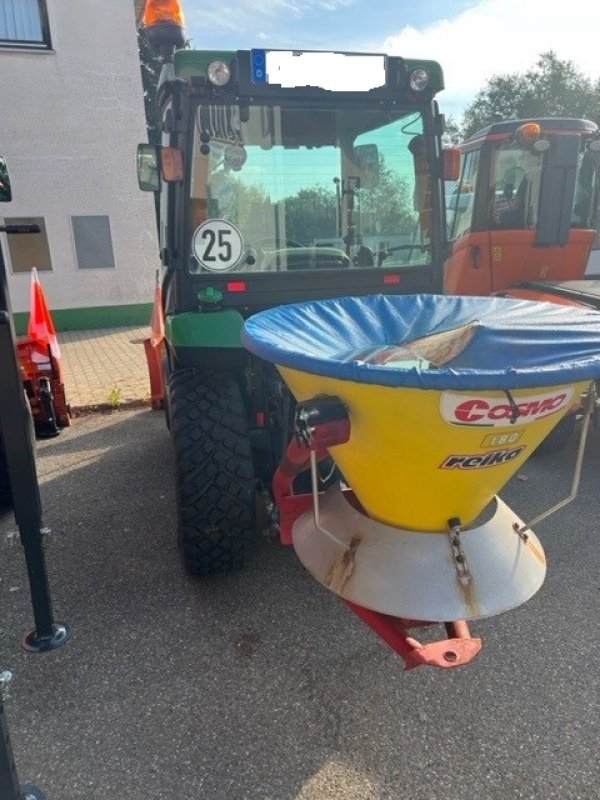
(460,206)
(515,181)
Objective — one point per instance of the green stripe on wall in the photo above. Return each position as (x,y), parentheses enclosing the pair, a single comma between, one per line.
(88,319)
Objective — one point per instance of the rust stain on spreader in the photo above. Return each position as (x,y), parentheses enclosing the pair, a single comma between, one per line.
(342,567)
(536,550)
(467,589)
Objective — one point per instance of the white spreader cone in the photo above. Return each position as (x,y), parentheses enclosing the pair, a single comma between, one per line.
(414,575)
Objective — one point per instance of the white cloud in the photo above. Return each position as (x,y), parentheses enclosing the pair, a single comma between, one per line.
(239,13)
(496,37)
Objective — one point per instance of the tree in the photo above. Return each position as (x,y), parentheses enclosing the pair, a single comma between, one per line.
(552,88)
(151,66)
(249,206)
(387,207)
(452,134)
(311,214)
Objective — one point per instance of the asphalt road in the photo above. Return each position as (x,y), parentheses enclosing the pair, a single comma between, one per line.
(262,686)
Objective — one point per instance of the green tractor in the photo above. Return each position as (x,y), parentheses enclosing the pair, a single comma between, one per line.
(281,177)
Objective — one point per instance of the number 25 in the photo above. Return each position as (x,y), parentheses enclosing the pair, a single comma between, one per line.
(220,239)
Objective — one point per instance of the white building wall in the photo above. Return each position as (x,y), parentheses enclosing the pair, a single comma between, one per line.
(70,121)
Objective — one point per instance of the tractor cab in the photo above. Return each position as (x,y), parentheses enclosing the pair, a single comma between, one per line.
(297,175)
(525,205)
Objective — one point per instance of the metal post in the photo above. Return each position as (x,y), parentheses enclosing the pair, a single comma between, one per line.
(16,427)
(10,789)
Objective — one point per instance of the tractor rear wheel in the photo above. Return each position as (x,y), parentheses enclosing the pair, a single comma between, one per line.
(216,487)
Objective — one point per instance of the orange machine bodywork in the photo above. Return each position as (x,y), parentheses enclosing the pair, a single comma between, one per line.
(487,262)
(505,239)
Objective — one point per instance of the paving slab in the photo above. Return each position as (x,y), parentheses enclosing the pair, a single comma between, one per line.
(105,368)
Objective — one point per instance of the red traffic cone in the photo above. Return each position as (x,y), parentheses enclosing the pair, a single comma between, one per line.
(157,320)
(154,348)
(40,327)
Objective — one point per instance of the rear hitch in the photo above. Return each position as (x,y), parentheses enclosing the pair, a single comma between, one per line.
(456,650)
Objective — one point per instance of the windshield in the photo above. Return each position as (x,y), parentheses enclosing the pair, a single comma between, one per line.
(587,188)
(276,188)
(516,180)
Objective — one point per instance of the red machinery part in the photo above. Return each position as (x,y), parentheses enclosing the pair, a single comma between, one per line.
(40,370)
(457,649)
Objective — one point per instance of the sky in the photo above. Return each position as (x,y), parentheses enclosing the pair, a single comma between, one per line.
(472,39)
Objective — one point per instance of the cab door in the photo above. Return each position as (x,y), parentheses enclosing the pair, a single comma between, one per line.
(468,268)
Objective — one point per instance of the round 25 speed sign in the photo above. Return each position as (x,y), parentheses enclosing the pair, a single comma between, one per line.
(217,245)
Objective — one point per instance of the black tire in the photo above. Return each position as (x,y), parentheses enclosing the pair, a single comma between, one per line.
(216,487)
(166,373)
(558,436)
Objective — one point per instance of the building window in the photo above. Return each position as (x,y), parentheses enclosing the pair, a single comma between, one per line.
(93,242)
(24,24)
(28,250)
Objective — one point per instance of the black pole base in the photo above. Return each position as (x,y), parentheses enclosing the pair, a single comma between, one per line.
(46,431)
(34,643)
(31,792)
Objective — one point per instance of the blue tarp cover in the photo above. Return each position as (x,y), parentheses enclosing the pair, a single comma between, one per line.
(516,343)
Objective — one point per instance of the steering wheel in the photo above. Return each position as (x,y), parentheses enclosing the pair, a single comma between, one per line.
(383,254)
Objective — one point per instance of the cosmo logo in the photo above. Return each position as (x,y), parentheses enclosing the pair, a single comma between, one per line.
(480,460)
(489,412)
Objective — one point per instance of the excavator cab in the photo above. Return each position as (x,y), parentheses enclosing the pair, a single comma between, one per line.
(533,201)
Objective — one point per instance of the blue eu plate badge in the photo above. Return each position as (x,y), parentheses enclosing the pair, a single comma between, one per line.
(258,60)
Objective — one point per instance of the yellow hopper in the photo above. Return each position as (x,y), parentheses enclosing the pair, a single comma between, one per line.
(446,397)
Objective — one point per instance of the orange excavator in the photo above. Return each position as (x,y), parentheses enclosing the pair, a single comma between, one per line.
(523,217)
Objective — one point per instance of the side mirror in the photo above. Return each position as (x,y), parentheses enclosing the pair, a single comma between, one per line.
(451,156)
(150,158)
(366,160)
(147,167)
(5,190)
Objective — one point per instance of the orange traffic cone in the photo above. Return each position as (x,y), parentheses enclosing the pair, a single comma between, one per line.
(157,320)
(154,348)
(39,356)
(40,327)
